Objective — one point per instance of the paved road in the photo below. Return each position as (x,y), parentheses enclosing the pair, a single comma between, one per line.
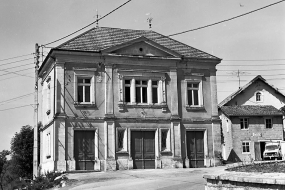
(187,178)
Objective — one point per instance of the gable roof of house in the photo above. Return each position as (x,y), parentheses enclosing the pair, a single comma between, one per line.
(233,95)
(102,38)
(250,110)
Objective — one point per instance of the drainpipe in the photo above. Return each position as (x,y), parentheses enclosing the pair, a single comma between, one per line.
(213,144)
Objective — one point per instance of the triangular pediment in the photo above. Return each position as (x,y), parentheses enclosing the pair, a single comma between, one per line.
(141,47)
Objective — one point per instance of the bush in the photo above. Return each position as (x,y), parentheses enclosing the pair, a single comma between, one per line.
(49,180)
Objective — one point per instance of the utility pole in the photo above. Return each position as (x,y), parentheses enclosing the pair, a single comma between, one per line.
(238,73)
(35,153)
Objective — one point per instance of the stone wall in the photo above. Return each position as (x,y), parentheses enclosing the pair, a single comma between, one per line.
(242,180)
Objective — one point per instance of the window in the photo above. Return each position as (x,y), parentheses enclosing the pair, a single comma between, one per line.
(244,123)
(268,123)
(143,91)
(245,147)
(258,97)
(127,90)
(194,96)
(84,86)
(48,141)
(165,140)
(84,90)
(154,91)
(121,140)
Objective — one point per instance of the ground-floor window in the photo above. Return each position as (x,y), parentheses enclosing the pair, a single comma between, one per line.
(245,147)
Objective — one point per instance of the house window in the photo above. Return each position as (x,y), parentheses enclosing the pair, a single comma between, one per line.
(84,90)
(258,97)
(154,92)
(244,123)
(194,97)
(121,140)
(48,141)
(165,140)
(127,90)
(245,147)
(268,123)
(141,91)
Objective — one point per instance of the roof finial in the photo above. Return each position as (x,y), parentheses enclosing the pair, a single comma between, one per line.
(149,19)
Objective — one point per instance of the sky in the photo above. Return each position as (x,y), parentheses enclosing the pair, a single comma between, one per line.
(253,44)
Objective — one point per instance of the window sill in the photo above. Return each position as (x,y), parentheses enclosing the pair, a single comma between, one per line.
(122,152)
(195,108)
(165,152)
(84,105)
(245,152)
(158,106)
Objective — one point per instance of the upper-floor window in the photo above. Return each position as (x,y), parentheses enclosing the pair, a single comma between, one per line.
(84,87)
(258,97)
(143,91)
(268,123)
(193,94)
(84,90)
(244,123)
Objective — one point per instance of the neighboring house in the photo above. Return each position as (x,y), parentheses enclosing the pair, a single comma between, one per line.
(250,117)
(125,99)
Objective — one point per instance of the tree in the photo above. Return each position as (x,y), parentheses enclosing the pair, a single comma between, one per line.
(22,152)
(3,167)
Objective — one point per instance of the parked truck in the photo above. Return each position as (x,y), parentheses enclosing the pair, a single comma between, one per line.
(272,151)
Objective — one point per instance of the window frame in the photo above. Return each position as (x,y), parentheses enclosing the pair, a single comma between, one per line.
(48,141)
(244,144)
(138,76)
(125,140)
(167,147)
(271,122)
(243,119)
(200,92)
(85,74)
(260,96)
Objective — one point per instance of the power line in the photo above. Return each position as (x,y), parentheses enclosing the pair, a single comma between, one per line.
(16,61)
(15,67)
(254,60)
(16,57)
(15,72)
(17,107)
(226,19)
(16,76)
(88,24)
(19,97)
(256,70)
(251,65)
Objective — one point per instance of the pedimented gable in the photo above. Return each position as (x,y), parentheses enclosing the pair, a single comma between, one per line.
(142,47)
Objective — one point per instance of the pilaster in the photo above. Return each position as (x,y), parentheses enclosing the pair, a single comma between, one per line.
(59,88)
(214,99)
(60,145)
(174,92)
(109,101)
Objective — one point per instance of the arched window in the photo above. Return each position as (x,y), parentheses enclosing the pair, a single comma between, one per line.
(258,97)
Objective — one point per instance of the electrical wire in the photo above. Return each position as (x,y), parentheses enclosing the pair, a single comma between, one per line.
(16,61)
(16,57)
(254,60)
(17,107)
(16,66)
(88,24)
(15,72)
(251,65)
(12,99)
(225,20)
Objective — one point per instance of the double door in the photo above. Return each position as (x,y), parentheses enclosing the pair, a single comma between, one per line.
(143,149)
(84,150)
(195,148)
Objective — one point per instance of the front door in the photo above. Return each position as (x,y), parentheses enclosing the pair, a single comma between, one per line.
(84,150)
(143,149)
(195,148)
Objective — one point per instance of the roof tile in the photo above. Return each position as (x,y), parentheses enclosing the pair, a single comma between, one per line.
(250,110)
(97,39)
